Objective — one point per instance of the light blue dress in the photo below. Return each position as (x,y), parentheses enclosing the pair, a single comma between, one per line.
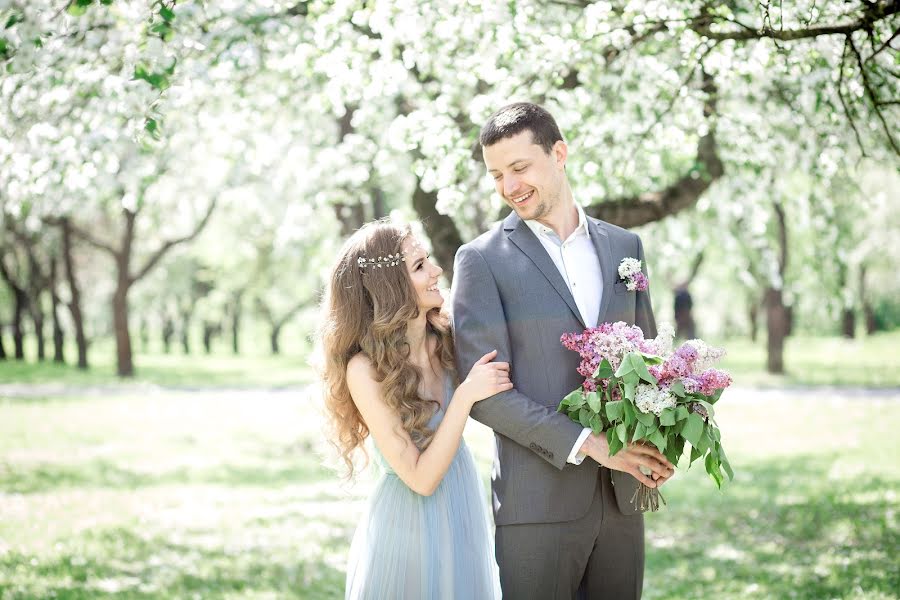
(413,547)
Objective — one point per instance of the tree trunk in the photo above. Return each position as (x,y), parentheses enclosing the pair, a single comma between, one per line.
(776,324)
(37,318)
(74,304)
(273,339)
(441,230)
(848,323)
(124,356)
(236,309)
(20,306)
(753,317)
(2,347)
(186,332)
(58,337)
(868,312)
(168,330)
(210,330)
(145,335)
(777,317)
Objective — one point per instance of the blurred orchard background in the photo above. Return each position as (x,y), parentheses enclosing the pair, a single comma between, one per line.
(175,178)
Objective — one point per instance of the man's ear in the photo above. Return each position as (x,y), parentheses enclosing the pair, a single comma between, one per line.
(560,153)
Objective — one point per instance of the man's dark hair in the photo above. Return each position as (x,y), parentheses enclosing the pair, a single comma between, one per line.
(515,118)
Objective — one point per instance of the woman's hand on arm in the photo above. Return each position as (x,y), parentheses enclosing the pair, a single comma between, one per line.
(422,472)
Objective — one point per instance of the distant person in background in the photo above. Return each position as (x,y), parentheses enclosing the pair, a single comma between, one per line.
(389,372)
(685,328)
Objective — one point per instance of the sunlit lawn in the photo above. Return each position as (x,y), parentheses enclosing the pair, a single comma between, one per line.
(872,361)
(867,361)
(222,495)
(253,367)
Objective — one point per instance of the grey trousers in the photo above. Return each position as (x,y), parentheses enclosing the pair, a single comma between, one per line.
(597,557)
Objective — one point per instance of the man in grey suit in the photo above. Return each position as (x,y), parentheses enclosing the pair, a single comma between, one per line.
(561,504)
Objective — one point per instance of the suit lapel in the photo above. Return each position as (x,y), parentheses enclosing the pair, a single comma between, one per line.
(526,241)
(600,239)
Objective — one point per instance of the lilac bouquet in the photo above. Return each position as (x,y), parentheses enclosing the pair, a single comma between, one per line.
(640,391)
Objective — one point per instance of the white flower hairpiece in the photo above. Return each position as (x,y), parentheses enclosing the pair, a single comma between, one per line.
(391,260)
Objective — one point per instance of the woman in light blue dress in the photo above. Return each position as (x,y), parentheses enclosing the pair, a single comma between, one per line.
(388,373)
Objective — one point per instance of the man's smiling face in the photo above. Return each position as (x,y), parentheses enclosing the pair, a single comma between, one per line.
(528,179)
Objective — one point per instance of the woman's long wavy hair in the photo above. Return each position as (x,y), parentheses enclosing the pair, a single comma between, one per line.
(367,309)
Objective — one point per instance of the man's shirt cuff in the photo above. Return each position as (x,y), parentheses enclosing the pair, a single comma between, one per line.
(576,456)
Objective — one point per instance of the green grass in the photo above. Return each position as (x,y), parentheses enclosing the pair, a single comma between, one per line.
(220,369)
(810,361)
(214,494)
(872,361)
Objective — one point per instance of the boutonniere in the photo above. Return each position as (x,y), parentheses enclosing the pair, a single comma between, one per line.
(630,273)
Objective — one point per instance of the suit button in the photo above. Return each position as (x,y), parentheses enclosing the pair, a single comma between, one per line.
(533,446)
(550,456)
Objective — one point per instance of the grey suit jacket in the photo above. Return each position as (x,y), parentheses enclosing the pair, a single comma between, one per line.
(507,294)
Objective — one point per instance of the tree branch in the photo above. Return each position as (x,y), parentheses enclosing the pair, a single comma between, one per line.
(840,91)
(90,239)
(873,12)
(683,193)
(161,251)
(871,93)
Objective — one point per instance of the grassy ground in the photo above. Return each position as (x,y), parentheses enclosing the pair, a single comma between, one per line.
(220,369)
(868,361)
(833,361)
(222,494)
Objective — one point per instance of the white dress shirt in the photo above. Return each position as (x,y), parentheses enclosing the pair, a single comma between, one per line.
(578,263)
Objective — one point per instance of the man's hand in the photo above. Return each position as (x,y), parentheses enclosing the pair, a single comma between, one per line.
(629,459)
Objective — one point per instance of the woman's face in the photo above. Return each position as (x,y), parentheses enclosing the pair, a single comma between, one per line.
(423,273)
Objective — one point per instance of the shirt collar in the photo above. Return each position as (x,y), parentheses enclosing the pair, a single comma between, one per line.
(540,229)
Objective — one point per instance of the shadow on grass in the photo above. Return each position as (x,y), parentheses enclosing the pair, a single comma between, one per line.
(117,563)
(784,529)
(109,475)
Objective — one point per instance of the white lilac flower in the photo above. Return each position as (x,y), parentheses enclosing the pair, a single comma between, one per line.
(707,356)
(664,338)
(649,399)
(629,267)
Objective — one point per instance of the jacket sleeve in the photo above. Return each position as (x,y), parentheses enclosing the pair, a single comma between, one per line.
(479,326)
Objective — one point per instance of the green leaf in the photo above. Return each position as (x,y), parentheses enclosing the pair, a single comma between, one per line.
(628,391)
(76,10)
(715,397)
(640,432)
(570,399)
(596,424)
(712,467)
(659,440)
(640,368)
(625,368)
(604,370)
(704,443)
(681,412)
(622,432)
(166,13)
(667,417)
(152,127)
(725,464)
(645,418)
(614,443)
(677,388)
(13,19)
(615,410)
(630,416)
(693,429)
(652,359)
(584,417)
(695,454)
(593,401)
